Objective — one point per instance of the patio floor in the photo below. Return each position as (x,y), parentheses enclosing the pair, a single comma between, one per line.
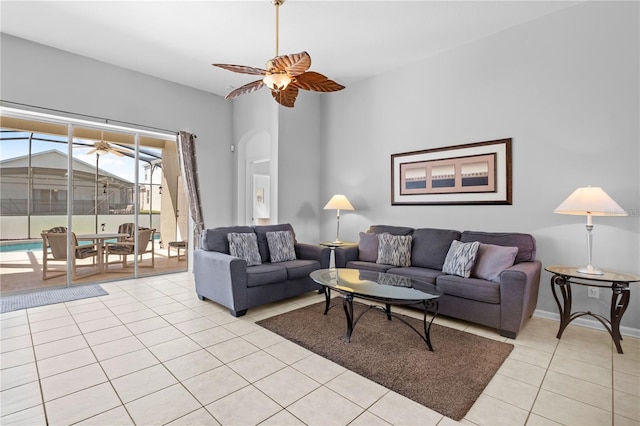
(22,270)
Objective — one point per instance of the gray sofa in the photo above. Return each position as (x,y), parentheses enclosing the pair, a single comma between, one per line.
(504,303)
(228,280)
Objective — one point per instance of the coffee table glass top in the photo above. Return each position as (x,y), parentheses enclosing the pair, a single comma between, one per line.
(375,285)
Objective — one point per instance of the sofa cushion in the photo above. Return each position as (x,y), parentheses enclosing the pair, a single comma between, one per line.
(492,260)
(423,274)
(245,246)
(367,266)
(460,258)
(394,249)
(265,274)
(300,268)
(526,243)
(469,288)
(368,247)
(390,229)
(216,239)
(263,244)
(430,246)
(281,246)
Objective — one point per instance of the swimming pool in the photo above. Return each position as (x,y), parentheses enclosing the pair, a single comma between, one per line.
(10,246)
(20,247)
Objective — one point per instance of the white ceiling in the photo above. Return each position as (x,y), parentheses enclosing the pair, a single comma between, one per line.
(179,40)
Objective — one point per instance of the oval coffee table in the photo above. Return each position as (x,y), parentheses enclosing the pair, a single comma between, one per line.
(389,289)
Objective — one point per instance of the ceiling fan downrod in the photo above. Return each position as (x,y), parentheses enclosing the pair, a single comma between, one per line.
(277,4)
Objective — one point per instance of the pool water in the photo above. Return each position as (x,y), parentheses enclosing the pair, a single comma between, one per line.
(37,246)
(21,247)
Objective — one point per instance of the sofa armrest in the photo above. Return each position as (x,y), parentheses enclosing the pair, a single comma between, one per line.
(518,295)
(221,278)
(345,254)
(314,252)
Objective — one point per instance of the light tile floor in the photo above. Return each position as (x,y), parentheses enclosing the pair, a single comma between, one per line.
(151,353)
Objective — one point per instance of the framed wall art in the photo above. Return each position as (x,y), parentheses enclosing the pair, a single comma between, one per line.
(476,173)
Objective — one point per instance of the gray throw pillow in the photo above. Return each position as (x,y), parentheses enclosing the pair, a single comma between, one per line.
(368,247)
(461,258)
(281,246)
(394,250)
(245,246)
(492,260)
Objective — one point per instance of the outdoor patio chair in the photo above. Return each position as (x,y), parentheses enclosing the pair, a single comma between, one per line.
(126,247)
(54,249)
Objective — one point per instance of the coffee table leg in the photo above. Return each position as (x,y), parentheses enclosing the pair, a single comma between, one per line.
(327,299)
(427,329)
(347,303)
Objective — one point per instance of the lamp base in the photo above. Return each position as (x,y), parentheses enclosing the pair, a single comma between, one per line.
(590,270)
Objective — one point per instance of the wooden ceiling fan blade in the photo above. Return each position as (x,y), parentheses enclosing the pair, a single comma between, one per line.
(317,82)
(116,152)
(242,69)
(286,97)
(91,151)
(247,88)
(293,64)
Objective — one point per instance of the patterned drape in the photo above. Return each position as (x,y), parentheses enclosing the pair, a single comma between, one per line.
(187,154)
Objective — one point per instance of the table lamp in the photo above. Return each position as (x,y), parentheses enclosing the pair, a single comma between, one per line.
(590,202)
(338,202)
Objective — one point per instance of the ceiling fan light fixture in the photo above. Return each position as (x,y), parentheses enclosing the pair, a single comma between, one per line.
(276,81)
(284,75)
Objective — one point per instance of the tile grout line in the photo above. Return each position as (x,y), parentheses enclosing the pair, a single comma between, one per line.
(35,362)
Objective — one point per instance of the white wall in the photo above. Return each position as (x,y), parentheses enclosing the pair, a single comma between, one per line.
(295,162)
(38,75)
(299,155)
(564,87)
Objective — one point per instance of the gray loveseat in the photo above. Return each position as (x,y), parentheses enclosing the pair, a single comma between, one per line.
(228,280)
(504,303)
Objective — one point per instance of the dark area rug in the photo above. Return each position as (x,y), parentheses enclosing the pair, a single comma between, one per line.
(448,380)
(48,297)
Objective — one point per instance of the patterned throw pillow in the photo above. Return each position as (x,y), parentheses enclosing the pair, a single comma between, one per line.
(281,246)
(461,258)
(245,246)
(394,250)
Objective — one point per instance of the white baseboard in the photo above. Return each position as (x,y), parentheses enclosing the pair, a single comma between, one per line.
(588,323)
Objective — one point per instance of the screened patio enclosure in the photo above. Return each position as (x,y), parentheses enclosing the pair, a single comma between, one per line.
(93,181)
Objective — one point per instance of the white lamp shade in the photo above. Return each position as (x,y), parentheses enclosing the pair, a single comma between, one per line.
(338,202)
(590,202)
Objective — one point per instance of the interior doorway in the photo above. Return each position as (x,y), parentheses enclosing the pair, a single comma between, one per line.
(257,200)
(261,194)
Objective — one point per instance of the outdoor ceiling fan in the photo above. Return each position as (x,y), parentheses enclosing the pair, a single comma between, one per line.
(284,74)
(102,147)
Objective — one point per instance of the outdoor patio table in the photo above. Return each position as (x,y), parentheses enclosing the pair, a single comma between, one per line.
(98,240)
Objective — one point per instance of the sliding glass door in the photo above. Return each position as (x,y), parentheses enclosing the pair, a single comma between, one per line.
(112,193)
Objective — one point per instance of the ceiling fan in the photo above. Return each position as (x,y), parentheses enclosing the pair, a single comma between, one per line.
(284,74)
(102,147)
